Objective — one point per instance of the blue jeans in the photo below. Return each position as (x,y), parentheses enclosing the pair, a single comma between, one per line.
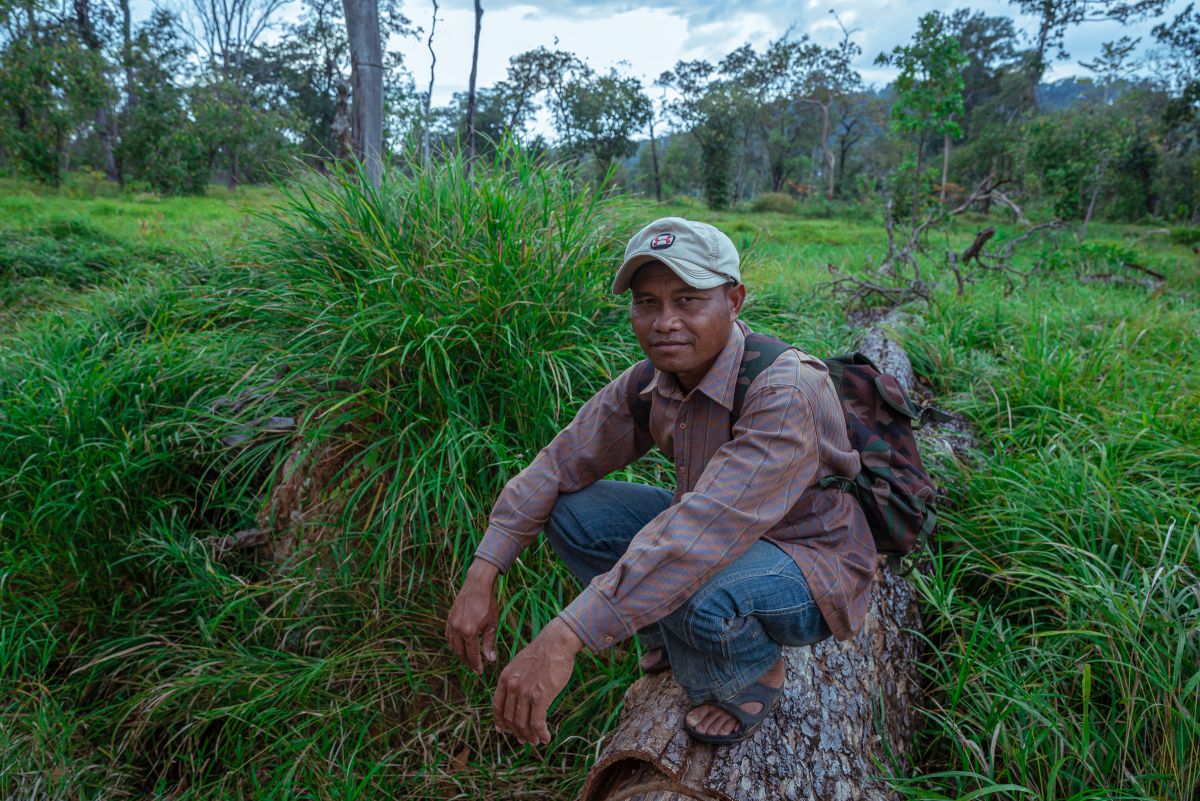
(723,638)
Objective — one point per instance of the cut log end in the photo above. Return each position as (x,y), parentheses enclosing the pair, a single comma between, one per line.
(630,777)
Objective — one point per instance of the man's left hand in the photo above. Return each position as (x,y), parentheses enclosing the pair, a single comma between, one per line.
(532,680)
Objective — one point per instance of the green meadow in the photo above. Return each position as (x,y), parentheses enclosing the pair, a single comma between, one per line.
(426,339)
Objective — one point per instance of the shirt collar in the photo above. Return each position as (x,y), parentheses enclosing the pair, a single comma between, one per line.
(719,382)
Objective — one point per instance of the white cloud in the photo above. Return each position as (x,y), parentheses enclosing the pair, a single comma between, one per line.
(651,38)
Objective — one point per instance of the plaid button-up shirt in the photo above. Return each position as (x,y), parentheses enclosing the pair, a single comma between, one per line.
(732,487)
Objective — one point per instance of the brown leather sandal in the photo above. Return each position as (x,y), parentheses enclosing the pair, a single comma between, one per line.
(748,722)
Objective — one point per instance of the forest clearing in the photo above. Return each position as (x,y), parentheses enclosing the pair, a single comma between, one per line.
(143,655)
(331,467)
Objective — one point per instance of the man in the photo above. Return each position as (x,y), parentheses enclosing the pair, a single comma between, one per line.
(747,555)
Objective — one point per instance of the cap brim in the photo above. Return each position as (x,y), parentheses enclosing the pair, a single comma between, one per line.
(698,277)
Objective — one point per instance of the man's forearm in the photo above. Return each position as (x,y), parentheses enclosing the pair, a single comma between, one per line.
(482,573)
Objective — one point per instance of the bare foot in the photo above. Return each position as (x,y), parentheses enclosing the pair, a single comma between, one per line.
(653,659)
(708,719)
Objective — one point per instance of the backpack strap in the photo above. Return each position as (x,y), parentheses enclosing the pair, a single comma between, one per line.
(761,350)
(759,353)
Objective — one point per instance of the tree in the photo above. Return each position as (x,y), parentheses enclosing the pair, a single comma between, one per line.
(448,125)
(161,143)
(302,71)
(708,108)
(1056,16)
(225,35)
(50,84)
(1180,78)
(536,73)
(1069,155)
(600,114)
(428,98)
(655,110)
(1182,41)
(769,86)
(989,45)
(829,76)
(929,89)
(105,126)
(993,93)
(863,115)
(1113,63)
(366,82)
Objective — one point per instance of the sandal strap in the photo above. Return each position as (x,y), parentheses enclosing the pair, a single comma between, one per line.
(762,693)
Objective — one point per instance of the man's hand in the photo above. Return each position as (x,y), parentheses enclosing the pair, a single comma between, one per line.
(532,680)
(475,615)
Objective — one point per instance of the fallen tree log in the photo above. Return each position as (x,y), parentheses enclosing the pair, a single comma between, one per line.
(848,716)
(821,743)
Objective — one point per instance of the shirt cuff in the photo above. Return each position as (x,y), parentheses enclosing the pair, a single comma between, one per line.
(499,547)
(595,621)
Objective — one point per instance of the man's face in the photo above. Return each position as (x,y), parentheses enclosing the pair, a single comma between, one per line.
(680,328)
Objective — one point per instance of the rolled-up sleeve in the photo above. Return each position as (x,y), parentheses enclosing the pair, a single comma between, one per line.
(746,488)
(599,440)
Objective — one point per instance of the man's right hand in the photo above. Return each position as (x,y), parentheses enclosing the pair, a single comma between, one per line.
(475,615)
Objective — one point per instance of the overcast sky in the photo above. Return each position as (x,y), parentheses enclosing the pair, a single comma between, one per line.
(651,37)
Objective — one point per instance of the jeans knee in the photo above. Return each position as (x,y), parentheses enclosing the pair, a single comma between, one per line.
(706,617)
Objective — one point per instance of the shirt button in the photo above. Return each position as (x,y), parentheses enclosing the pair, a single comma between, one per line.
(608,639)
(683,425)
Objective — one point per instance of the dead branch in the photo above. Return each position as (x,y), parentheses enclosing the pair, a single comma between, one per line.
(1010,247)
(1005,200)
(1157,276)
(855,289)
(952,258)
(973,251)
(989,190)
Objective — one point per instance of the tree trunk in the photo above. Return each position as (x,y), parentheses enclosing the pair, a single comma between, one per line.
(945,166)
(342,128)
(1037,67)
(127,56)
(739,184)
(231,182)
(429,92)
(471,87)
(104,127)
(821,742)
(1091,207)
(366,80)
(916,210)
(826,150)
(654,164)
(105,130)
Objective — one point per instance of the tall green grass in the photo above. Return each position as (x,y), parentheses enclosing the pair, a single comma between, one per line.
(463,314)
(1065,600)
(447,327)
(439,330)
(108,447)
(45,264)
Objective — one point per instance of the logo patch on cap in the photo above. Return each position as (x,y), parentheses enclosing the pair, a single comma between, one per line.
(662,241)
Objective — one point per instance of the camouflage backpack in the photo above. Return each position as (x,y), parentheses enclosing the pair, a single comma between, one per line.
(896,494)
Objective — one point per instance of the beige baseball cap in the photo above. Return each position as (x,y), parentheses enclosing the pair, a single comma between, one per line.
(697,252)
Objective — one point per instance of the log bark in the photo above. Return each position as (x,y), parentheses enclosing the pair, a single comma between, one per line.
(849,710)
